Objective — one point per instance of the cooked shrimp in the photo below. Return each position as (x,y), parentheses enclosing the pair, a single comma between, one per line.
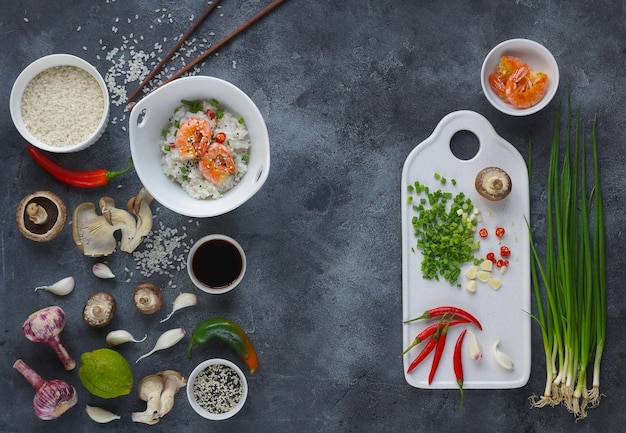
(526,88)
(193,138)
(218,163)
(503,71)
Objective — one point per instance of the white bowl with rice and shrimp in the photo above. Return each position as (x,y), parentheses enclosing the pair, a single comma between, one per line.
(199,145)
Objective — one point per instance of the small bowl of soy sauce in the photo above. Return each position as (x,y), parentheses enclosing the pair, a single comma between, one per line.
(216,264)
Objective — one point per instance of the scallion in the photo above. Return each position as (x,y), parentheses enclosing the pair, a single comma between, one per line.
(572,308)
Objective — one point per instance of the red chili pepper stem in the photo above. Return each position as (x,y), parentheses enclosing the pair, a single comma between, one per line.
(458,364)
(81,179)
(429,331)
(441,342)
(440,311)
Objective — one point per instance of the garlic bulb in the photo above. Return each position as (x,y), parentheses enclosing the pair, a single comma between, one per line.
(502,358)
(101,270)
(474,347)
(165,341)
(100,415)
(62,287)
(120,336)
(183,300)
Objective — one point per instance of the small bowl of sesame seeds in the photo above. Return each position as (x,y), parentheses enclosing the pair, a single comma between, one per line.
(60,103)
(217,389)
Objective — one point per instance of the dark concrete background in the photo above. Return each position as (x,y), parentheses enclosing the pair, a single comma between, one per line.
(347,90)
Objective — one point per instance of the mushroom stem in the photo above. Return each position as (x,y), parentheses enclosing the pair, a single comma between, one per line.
(37,214)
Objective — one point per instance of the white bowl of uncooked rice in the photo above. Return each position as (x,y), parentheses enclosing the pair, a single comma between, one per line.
(199,145)
(60,103)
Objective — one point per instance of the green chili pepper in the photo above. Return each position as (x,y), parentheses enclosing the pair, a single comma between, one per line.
(230,333)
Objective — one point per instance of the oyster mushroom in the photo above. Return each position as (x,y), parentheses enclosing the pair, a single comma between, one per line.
(99,309)
(94,234)
(493,183)
(41,216)
(173,382)
(148,298)
(150,389)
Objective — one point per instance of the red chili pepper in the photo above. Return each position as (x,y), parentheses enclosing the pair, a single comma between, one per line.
(483,233)
(491,257)
(210,113)
(81,179)
(500,263)
(440,336)
(429,331)
(440,311)
(220,137)
(458,363)
(505,251)
(423,354)
(500,232)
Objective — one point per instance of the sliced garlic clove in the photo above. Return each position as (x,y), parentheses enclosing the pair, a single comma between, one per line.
(62,287)
(101,270)
(183,300)
(471,272)
(495,283)
(486,265)
(474,347)
(483,276)
(120,336)
(100,415)
(471,286)
(502,358)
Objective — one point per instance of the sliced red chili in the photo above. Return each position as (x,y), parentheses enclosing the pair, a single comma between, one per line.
(505,251)
(500,232)
(210,113)
(491,257)
(458,363)
(483,233)
(220,137)
(500,263)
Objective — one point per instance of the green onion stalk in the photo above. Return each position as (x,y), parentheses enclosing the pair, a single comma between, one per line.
(571,310)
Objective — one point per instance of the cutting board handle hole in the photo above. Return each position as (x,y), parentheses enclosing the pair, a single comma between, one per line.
(464,145)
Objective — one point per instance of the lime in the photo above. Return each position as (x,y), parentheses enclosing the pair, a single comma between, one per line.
(105,373)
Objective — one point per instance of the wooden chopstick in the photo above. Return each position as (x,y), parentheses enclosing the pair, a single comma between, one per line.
(225,40)
(175,48)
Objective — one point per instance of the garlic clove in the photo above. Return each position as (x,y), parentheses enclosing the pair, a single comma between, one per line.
(100,415)
(101,270)
(474,347)
(62,287)
(165,341)
(502,358)
(183,300)
(120,336)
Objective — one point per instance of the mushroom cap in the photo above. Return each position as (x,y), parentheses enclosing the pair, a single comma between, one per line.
(150,386)
(148,298)
(99,309)
(493,183)
(53,224)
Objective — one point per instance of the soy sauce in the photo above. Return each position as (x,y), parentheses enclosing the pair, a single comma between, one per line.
(217,263)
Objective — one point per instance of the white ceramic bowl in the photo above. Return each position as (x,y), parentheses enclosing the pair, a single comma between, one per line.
(152,114)
(238,265)
(194,403)
(536,56)
(34,69)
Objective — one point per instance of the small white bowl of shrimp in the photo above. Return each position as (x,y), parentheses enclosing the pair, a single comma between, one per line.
(199,145)
(519,77)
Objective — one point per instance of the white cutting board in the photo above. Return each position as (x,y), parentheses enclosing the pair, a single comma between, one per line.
(503,313)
